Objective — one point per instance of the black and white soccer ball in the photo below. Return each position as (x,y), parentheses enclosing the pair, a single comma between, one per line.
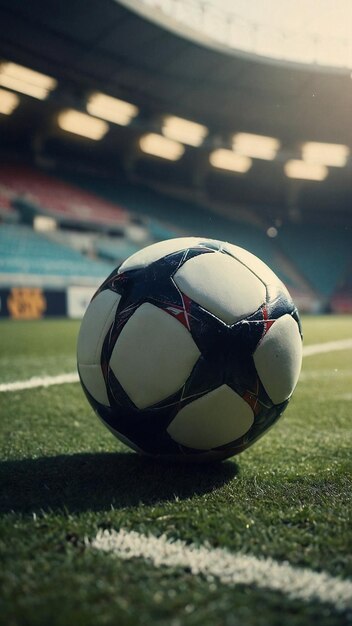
(191,348)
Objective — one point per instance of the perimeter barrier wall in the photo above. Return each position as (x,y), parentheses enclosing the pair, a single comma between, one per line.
(38,302)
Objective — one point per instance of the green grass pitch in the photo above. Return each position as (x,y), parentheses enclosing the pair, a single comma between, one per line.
(63,477)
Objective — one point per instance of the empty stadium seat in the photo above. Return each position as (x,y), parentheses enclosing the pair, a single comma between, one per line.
(23,251)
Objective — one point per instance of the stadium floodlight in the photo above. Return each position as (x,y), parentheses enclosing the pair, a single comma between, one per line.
(25,80)
(111,109)
(325,153)
(256,146)
(185,131)
(82,124)
(8,101)
(228,160)
(162,147)
(305,171)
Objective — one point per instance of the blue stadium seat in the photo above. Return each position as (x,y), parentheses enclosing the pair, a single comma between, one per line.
(116,250)
(321,254)
(24,251)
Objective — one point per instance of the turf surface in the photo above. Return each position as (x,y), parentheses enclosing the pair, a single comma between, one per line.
(63,476)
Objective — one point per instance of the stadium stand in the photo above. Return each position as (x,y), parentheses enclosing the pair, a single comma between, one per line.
(47,194)
(322,255)
(341,300)
(25,254)
(167,217)
(114,249)
(310,260)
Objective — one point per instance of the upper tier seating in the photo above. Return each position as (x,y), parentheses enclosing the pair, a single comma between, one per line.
(60,199)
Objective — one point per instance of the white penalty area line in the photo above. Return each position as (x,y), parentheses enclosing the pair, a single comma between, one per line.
(72,377)
(228,568)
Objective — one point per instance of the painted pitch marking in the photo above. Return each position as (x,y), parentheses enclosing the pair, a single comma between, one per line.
(40,381)
(329,346)
(72,377)
(230,569)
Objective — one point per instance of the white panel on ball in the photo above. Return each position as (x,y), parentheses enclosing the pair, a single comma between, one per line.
(221,285)
(219,417)
(156,251)
(153,356)
(258,267)
(93,380)
(96,322)
(278,359)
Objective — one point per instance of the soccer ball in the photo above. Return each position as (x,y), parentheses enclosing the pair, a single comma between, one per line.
(191,349)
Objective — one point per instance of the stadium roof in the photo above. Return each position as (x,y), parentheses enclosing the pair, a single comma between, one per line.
(89,46)
(278,30)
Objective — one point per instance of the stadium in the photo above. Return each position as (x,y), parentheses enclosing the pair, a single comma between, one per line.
(126,124)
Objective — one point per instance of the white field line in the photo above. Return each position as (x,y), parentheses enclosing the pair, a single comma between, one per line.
(230,569)
(329,346)
(40,381)
(72,377)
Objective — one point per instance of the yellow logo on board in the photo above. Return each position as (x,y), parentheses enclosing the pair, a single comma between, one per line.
(26,303)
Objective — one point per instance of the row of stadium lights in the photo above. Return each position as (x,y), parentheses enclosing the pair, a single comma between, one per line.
(176,132)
